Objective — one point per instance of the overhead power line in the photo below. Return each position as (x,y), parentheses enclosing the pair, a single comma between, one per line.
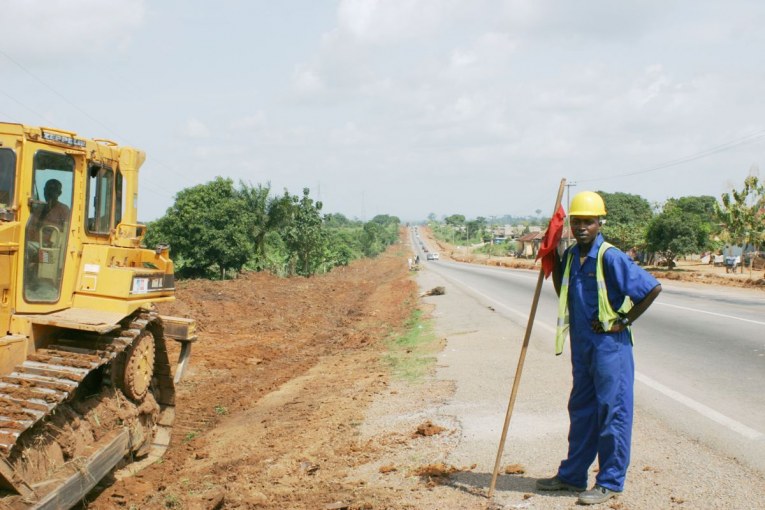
(159,191)
(61,96)
(754,137)
(42,116)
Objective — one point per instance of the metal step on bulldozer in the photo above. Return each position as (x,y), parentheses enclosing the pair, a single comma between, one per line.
(86,381)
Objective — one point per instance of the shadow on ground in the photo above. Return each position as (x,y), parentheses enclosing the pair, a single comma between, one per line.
(477,484)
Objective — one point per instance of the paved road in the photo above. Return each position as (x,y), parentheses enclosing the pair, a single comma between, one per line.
(700,351)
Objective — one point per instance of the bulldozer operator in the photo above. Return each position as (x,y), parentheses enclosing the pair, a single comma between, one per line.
(45,232)
(52,213)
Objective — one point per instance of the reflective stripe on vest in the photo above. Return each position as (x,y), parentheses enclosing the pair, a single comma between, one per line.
(606,314)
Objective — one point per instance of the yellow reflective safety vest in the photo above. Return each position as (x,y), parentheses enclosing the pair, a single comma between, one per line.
(606,314)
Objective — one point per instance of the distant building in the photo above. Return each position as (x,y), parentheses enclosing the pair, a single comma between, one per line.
(529,243)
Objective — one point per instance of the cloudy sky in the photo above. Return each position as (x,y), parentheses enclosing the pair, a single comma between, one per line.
(404,107)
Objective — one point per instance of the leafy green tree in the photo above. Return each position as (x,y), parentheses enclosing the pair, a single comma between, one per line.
(276,255)
(626,219)
(378,233)
(701,206)
(390,226)
(304,235)
(455,220)
(475,228)
(742,213)
(625,207)
(343,246)
(208,229)
(337,220)
(372,239)
(256,199)
(675,233)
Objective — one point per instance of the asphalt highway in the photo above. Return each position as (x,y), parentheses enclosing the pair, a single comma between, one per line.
(699,350)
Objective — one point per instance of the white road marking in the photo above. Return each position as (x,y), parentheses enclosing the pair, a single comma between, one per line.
(711,313)
(678,397)
(700,408)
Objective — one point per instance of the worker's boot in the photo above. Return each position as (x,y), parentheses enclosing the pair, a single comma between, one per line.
(556,484)
(596,495)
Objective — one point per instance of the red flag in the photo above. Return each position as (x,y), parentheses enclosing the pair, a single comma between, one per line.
(550,241)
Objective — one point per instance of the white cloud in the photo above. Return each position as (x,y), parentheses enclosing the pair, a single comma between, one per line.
(392,21)
(194,128)
(250,123)
(592,20)
(306,81)
(349,135)
(65,30)
(652,84)
(462,58)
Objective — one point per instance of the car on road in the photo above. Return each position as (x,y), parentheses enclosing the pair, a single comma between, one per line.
(433,256)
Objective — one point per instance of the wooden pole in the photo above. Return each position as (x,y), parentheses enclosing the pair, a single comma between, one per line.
(522,358)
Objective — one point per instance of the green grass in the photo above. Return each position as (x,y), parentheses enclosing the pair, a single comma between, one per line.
(411,353)
(172,501)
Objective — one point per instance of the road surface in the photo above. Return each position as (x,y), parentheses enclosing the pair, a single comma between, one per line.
(700,366)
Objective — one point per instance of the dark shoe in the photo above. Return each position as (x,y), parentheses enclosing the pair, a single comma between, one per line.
(556,484)
(596,495)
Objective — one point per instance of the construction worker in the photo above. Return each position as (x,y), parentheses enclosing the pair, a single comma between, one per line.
(602,292)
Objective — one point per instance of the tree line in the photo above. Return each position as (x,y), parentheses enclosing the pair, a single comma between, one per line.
(679,227)
(218,228)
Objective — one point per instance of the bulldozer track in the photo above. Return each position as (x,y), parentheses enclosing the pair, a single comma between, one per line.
(52,375)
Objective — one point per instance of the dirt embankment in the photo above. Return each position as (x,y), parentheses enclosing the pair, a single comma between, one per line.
(284,369)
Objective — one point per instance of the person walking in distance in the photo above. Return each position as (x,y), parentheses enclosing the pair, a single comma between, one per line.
(602,292)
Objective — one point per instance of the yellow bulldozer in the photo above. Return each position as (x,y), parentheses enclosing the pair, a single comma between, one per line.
(87,386)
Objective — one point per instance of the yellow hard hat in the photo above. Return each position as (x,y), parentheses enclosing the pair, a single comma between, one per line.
(587,203)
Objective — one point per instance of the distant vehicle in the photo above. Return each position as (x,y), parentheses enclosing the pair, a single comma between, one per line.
(432,256)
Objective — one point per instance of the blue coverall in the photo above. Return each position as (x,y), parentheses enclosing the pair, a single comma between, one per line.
(601,403)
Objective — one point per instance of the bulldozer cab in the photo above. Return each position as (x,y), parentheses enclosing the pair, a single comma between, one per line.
(70,240)
(47,228)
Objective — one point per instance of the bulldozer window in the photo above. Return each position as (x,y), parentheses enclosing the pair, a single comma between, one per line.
(100,193)
(119,193)
(47,229)
(7,177)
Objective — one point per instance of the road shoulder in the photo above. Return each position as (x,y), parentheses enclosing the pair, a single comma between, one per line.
(467,394)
